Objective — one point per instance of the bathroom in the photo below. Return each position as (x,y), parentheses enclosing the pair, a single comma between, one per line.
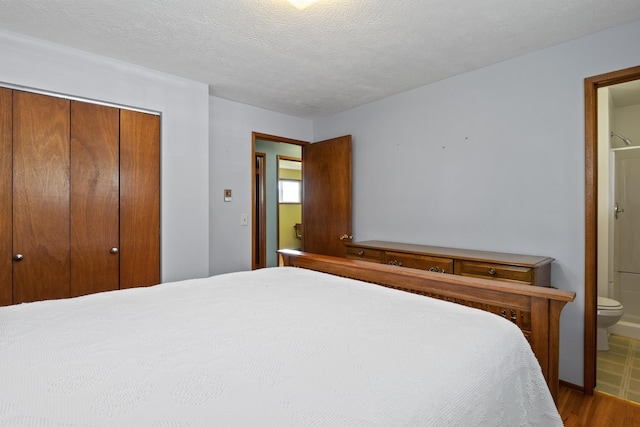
(618,358)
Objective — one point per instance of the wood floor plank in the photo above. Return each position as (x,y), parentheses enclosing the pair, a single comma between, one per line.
(599,410)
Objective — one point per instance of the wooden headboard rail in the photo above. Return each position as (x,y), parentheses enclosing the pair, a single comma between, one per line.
(536,310)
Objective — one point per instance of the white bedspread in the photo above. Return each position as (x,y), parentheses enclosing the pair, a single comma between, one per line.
(273,347)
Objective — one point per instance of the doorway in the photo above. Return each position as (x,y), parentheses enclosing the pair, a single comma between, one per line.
(593,215)
(326,196)
(618,276)
(266,151)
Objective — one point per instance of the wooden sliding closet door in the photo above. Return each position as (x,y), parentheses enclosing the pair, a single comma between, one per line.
(139,199)
(95,198)
(79,198)
(6,172)
(40,197)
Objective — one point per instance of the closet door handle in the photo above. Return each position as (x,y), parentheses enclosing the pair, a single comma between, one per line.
(114,251)
(18,257)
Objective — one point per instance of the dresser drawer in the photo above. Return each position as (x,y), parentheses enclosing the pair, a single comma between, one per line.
(422,262)
(495,271)
(365,254)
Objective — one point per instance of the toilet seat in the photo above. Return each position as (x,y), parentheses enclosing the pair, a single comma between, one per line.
(609,313)
(608,304)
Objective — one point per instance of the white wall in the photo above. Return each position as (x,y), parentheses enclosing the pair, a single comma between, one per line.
(231,167)
(627,123)
(492,159)
(605,225)
(184,134)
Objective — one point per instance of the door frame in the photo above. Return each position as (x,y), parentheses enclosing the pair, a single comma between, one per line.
(259,212)
(261,239)
(591,86)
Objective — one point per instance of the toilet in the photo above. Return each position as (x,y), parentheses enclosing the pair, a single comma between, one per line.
(609,312)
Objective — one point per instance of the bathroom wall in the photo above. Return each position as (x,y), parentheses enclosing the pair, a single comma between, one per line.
(605,225)
(627,122)
(289,214)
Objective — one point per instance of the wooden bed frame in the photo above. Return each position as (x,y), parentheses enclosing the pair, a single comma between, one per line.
(536,310)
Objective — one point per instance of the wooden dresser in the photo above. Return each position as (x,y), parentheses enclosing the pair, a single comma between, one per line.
(523,269)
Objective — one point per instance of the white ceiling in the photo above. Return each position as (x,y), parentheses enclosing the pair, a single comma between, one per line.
(334,55)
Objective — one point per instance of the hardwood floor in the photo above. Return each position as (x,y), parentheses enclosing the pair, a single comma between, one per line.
(599,410)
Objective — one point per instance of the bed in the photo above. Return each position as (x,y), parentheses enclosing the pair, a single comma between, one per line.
(280,346)
(535,310)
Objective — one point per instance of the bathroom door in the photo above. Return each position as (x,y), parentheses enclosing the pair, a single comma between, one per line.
(627,231)
(326,191)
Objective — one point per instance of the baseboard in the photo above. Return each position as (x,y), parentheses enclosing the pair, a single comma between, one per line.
(572,386)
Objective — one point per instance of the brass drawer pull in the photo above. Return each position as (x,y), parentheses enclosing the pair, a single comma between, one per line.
(492,271)
(437,270)
(361,253)
(395,262)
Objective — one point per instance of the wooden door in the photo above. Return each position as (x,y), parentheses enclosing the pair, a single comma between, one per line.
(40,197)
(6,185)
(326,195)
(139,199)
(95,198)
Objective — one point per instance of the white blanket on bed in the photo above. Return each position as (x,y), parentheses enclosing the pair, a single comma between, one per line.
(273,347)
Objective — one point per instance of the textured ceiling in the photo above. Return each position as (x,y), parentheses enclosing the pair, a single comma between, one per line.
(332,56)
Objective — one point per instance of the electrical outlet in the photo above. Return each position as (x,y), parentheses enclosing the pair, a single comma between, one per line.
(244,219)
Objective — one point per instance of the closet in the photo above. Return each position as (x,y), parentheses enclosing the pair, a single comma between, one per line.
(79,198)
